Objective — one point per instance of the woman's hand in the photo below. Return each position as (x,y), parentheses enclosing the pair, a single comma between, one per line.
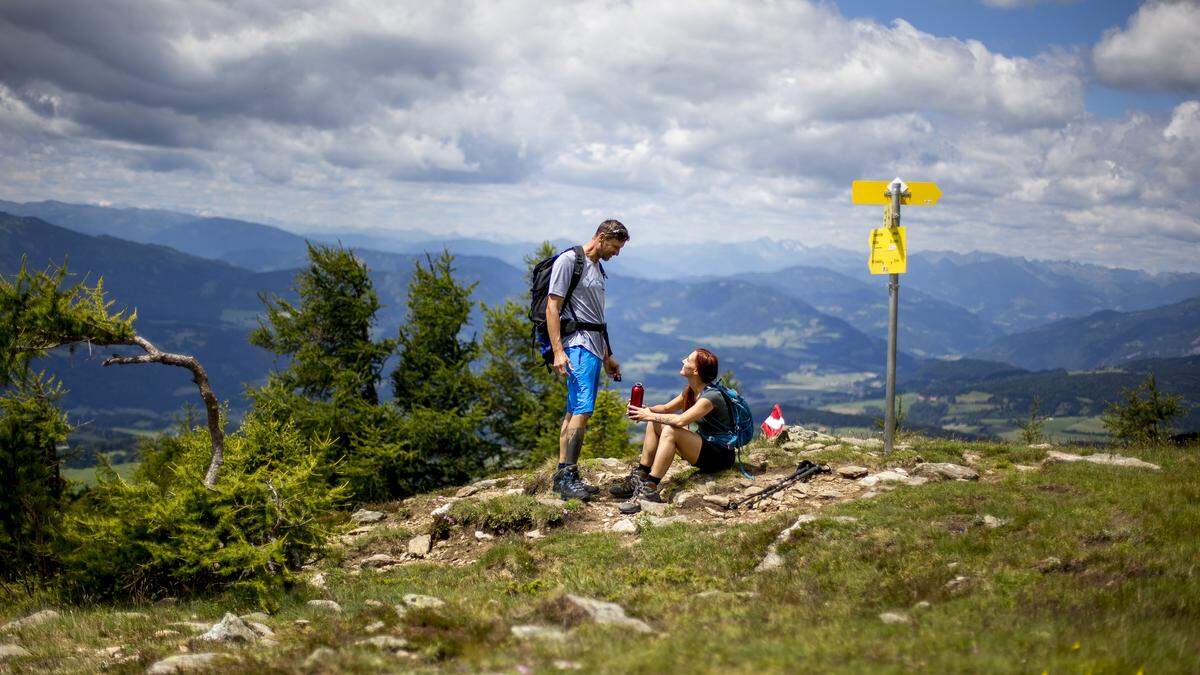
(639,414)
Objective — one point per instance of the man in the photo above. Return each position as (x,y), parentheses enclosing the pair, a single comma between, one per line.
(581,354)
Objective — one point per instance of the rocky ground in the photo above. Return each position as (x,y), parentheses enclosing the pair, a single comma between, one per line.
(356,613)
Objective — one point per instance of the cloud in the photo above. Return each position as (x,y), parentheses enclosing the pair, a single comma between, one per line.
(1158,50)
(1014,4)
(717,119)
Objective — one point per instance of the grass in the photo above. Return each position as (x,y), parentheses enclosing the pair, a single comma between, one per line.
(88,476)
(1122,594)
(509,513)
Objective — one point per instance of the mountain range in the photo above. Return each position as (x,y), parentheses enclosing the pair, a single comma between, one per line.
(791,330)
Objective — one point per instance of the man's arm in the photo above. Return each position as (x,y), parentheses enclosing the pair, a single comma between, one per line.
(554,330)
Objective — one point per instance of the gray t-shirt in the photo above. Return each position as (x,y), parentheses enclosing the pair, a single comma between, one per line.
(717,422)
(587,302)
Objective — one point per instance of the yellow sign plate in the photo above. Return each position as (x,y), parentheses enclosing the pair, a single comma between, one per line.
(889,251)
(875,192)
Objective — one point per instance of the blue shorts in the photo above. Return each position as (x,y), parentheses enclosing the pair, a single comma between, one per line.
(583,380)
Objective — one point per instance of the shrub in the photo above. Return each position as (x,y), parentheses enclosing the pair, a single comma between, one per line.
(1143,415)
(168,534)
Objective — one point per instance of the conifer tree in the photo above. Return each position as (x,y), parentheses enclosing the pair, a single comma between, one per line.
(328,335)
(523,399)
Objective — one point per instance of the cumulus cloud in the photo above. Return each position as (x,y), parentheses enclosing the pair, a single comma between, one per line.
(1159,49)
(720,119)
(1013,4)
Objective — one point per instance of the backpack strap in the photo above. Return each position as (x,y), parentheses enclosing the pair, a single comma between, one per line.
(737,452)
(576,275)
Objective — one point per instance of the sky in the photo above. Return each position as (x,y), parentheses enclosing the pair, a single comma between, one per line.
(1055,129)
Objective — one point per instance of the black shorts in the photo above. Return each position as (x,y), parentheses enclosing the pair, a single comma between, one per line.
(714,457)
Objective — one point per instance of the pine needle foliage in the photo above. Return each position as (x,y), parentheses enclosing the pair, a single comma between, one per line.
(1143,415)
(166,534)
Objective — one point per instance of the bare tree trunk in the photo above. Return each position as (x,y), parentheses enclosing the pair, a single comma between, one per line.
(211,406)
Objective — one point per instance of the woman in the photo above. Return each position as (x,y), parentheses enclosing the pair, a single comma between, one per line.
(667,434)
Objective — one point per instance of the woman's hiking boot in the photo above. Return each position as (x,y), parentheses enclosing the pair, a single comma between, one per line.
(624,488)
(569,485)
(646,491)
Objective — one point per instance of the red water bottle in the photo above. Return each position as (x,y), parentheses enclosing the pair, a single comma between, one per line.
(635,396)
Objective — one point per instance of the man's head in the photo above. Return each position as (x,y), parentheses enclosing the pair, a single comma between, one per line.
(611,236)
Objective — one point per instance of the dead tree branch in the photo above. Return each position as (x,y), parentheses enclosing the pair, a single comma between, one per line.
(200,377)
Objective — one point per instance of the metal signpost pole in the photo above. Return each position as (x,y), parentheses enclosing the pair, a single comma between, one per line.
(889,420)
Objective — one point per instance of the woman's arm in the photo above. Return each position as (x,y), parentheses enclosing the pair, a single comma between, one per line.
(701,408)
(673,405)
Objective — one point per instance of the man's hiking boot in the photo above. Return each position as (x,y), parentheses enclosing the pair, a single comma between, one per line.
(624,488)
(646,491)
(568,484)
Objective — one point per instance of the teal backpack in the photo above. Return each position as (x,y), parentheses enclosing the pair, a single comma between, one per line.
(739,411)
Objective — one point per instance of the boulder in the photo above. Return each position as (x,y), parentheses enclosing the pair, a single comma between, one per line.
(535,632)
(624,526)
(829,493)
(420,545)
(1055,456)
(535,534)
(230,630)
(682,496)
(654,508)
(852,472)
(894,617)
(328,605)
(35,619)
(717,500)
(365,517)
(418,601)
(378,561)
(992,522)
(12,652)
(812,447)
(480,535)
(792,446)
(945,471)
(600,611)
(186,663)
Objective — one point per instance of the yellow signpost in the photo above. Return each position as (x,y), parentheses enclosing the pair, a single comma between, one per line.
(889,255)
(879,192)
(888,251)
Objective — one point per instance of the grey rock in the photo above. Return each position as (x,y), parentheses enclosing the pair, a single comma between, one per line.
(654,508)
(894,618)
(443,509)
(624,526)
(194,626)
(1055,456)
(317,656)
(12,652)
(260,617)
(682,496)
(793,446)
(186,663)
(232,630)
(389,643)
(717,500)
(922,605)
(992,522)
(480,535)
(945,471)
(420,545)
(658,521)
(957,584)
(374,626)
(1050,564)
(812,447)
(365,517)
(535,534)
(852,472)
(418,601)
(35,619)
(535,632)
(607,612)
(328,605)
(264,631)
(377,561)
(829,493)
(317,580)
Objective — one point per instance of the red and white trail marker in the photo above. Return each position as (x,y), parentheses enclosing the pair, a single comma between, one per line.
(773,424)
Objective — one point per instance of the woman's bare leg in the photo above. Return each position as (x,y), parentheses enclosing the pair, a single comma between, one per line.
(670,441)
(650,443)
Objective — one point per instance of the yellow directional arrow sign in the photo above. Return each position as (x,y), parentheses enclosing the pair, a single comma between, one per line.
(875,192)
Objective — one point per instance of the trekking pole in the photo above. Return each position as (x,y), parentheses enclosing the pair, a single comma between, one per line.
(804,471)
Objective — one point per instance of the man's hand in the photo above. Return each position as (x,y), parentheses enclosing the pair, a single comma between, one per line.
(612,367)
(561,363)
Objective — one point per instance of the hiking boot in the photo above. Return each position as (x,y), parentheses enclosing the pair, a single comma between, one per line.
(568,484)
(624,488)
(646,491)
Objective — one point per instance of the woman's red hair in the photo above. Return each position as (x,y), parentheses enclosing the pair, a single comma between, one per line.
(707,368)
